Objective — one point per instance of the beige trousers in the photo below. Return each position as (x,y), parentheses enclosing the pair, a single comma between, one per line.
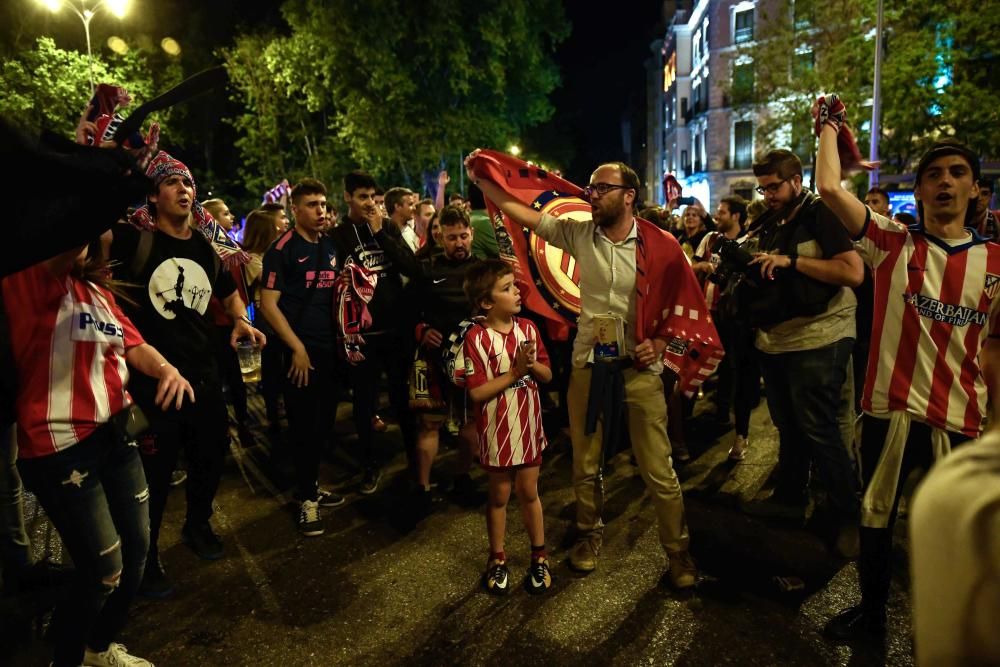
(647,425)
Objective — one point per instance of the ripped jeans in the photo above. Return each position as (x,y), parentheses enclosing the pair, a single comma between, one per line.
(95,494)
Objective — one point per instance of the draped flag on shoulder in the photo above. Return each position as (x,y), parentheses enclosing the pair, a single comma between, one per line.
(670,303)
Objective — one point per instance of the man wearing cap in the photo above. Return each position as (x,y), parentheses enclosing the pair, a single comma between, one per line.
(934,349)
(176,256)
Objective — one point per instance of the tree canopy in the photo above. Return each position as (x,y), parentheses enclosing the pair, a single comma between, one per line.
(939,73)
(48,87)
(394,87)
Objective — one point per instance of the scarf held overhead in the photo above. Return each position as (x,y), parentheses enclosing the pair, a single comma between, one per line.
(670,303)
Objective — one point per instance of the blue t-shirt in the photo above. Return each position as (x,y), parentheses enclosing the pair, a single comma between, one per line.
(291,266)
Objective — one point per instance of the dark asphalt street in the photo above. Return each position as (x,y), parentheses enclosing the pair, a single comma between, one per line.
(375,590)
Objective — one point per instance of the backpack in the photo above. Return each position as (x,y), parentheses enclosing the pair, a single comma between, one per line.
(453,360)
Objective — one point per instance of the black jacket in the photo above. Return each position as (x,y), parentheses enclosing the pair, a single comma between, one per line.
(387,254)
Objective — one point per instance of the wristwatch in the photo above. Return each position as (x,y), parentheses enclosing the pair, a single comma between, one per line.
(793,260)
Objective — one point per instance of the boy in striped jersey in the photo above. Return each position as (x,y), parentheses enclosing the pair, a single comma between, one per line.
(933,346)
(505,362)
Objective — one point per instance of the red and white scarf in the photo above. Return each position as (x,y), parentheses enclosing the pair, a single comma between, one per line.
(355,290)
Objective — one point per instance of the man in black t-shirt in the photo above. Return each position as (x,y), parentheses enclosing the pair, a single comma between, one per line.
(377,244)
(297,292)
(176,271)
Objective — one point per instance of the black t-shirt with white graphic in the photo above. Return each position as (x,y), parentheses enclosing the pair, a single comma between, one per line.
(172,290)
(291,265)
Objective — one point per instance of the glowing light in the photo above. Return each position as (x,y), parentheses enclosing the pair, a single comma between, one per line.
(514,150)
(118,45)
(118,7)
(51,5)
(171,46)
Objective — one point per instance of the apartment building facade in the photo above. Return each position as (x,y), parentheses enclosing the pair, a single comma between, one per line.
(704,126)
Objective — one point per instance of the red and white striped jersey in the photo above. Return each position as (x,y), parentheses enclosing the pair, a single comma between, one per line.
(935,304)
(510,424)
(69,339)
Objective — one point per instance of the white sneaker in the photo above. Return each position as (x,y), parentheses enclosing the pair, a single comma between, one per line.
(115,656)
(309,522)
(738,451)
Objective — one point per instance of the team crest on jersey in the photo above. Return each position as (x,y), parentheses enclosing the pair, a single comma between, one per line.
(992,285)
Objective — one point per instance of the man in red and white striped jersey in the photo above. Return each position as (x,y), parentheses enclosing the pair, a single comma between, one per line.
(934,348)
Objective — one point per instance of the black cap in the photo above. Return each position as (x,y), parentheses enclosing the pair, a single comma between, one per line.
(948,147)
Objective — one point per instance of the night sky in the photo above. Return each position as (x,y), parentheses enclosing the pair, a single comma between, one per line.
(603,77)
(603,80)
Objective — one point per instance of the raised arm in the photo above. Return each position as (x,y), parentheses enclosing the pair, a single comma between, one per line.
(830,114)
(517,211)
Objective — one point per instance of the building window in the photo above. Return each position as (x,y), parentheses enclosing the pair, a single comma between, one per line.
(803,62)
(804,14)
(743,26)
(743,77)
(742,144)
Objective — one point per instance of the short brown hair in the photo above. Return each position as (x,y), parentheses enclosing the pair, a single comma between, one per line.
(455,215)
(307,186)
(394,197)
(781,162)
(480,279)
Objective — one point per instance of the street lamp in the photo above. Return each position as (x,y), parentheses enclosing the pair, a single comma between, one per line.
(514,150)
(85,14)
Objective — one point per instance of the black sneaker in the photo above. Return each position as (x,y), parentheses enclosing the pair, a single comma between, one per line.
(154,583)
(496,579)
(539,578)
(178,477)
(854,624)
(369,484)
(681,454)
(309,522)
(329,498)
(202,540)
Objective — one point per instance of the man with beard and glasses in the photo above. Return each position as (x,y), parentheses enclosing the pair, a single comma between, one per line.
(932,370)
(439,297)
(805,342)
(609,250)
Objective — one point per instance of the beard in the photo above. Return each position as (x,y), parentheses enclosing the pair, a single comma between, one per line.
(609,214)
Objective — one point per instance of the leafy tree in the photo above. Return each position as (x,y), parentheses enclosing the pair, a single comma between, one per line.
(48,87)
(396,86)
(801,49)
(938,73)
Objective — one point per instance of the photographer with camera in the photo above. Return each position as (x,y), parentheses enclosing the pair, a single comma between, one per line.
(804,311)
(739,372)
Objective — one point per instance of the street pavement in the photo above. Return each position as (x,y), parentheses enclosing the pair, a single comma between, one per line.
(377,590)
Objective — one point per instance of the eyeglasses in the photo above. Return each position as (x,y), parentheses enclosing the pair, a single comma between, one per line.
(603,188)
(771,188)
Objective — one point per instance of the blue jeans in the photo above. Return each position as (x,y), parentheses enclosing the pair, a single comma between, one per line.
(95,494)
(804,398)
